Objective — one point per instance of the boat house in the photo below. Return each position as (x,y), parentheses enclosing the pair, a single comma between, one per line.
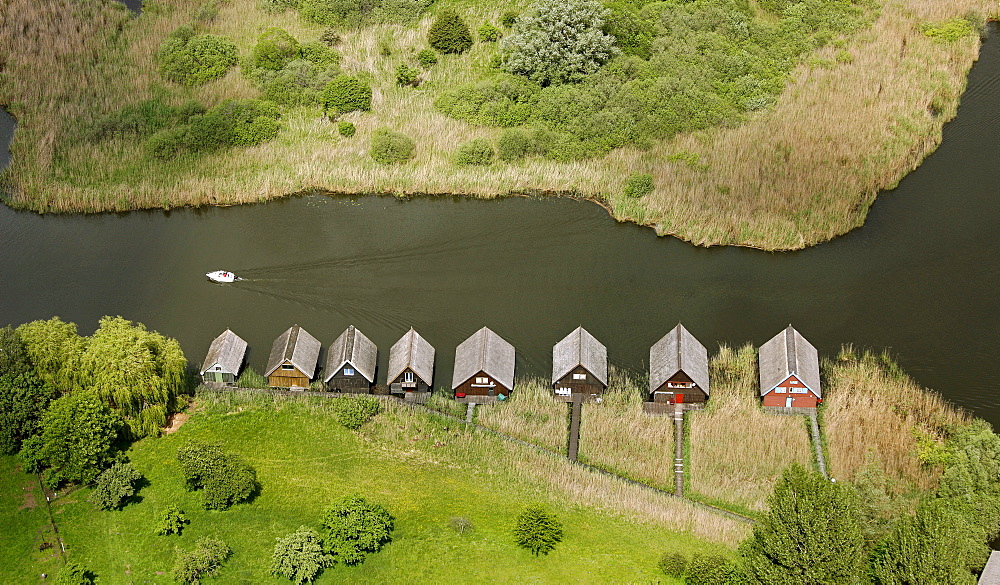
(678,369)
(350,363)
(411,364)
(293,360)
(789,371)
(579,365)
(224,359)
(484,368)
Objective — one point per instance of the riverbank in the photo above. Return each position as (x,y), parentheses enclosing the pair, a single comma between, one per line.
(854,118)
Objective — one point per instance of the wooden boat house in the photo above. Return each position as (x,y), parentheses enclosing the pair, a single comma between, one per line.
(678,369)
(579,365)
(293,360)
(411,364)
(789,371)
(224,359)
(484,368)
(350,363)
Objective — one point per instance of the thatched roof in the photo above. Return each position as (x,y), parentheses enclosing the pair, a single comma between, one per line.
(485,352)
(227,350)
(297,346)
(675,352)
(580,348)
(785,354)
(411,351)
(991,572)
(352,347)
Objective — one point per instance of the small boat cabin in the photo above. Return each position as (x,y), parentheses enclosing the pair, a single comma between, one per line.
(678,369)
(293,359)
(579,365)
(789,371)
(224,359)
(350,363)
(484,367)
(411,364)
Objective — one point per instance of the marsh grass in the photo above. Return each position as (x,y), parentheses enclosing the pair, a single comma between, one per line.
(799,173)
(874,411)
(737,451)
(530,414)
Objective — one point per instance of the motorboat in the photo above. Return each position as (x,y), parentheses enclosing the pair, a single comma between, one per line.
(223,276)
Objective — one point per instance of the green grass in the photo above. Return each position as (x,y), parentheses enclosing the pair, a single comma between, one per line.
(24,526)
(422,470)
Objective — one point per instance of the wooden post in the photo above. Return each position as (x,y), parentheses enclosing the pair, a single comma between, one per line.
(574,427)
(679,449)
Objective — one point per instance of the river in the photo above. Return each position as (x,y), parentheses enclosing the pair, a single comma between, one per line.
(919,279)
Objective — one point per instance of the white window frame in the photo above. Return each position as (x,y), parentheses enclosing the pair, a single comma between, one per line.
(797,390)
(409,377)
(287,367)
(348,371)
(780,390)
(579,377)
(482,380)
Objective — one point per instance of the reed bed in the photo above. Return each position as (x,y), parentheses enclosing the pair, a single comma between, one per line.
(618,436)
(799,173)
(530,414)
(738,451)
(874,411)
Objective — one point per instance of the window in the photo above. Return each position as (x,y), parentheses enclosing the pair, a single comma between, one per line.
(287,367)
(218,368)
(780,390)
(348,371)
(799,390)
(408,376)
(579,376)
(481,380)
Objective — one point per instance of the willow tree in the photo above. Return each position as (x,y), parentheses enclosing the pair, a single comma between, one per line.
(136,371)
(54,347)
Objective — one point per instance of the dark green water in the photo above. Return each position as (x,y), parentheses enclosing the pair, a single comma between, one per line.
(921,278)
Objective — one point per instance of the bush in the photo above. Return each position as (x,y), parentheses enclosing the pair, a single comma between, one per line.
(639,185)
(299,556)
(346,129)
(449,34)
(427,58)
(115,485)
(347,94)
(352,412)
(478,152)
(559,41)
(508,101)
(277,6)
(23,396)
(354,527)
(949,30)
(225,479)
(191,59)
(202,561)
(461,524)
(673,564)
(406,75)
(355,14)
(329,37)
(537,530)
(231,123)
(274,49)
(390,147)
(488,33)
(73,574)
(707,569)
(172,521)
(515,144)
(319,54)
(508,19)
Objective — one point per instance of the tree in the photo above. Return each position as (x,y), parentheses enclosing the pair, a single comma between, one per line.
(558,41)
(75,444)
(225,479)
(203,560)
(354,527)
(274,49)
(299,556)
(23,396)
(172,521)
(537,530)
(115,485)
(346,94)
(449,33)
(191,59)
(74,574)
(973,467)
(54,347)
(812,533)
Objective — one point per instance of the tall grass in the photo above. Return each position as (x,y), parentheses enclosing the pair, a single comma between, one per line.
(530,414)
(875,411)
(799,173)
(737,451)
(618,436)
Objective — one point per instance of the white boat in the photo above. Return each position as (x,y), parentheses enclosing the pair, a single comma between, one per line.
(222,276)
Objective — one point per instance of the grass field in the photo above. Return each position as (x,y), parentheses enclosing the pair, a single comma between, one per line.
(853,119)
(423,469)
(530,414)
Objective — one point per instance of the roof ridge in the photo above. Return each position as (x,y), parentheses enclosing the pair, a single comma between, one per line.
(680,352)
(413,347)
(791,358)
(293,339)
(349,345)
(485,351)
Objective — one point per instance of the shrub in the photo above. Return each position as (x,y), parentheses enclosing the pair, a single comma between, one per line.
(299,556)
(225,479)
(355,14)
(673,564)
(353,412)
(406,75)
(167,143)
(172,521)
(73,574)
(191,59)
(514,144)
(329,37)
(508,19)
(449,34)
(389,147)
(202,561)
(251,379)
(508,101)
(559,41)
(639,185)
(707,569)
(488,33)
(478,152)
(277,6)
(231,123)
(949,30)
(114,485)
(537,530)
(274,49)
(427,58)
(346,129)
(354,527)
(23,396)
(319,54)
(461,524)
(347,94)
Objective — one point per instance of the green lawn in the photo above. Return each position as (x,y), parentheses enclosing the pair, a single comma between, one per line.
(421,470)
